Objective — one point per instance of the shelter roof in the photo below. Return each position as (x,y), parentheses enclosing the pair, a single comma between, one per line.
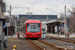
(54,21)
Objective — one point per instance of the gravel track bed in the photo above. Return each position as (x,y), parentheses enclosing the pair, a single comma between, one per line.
(47,47)
(68,38)
(71,38)
(60,43)
(21,44)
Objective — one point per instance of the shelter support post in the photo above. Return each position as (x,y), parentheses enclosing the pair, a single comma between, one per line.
(58,29)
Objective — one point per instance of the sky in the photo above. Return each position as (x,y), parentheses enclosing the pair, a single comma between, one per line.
(42,7)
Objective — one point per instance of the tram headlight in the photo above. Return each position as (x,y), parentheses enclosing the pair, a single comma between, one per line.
(27,35)
(38,35)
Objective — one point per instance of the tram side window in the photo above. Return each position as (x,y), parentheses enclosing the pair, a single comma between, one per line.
(24,29)
(39,27)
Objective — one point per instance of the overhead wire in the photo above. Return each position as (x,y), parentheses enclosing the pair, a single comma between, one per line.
(34,4)
(58,6)
(31,5)
(45,11)
(20,11)
(25,9)
(60,3)
(69,1)
(63,2)
(53,10)
(19,7)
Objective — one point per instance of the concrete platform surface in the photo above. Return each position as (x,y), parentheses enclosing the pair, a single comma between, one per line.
(60,36)
(47,34)
(14,36)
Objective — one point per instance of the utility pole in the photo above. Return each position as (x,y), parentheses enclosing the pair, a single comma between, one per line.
(10,14)
(47,19)
(65,23)
(15,26)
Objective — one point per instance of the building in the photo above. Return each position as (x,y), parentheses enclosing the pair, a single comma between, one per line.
(39,16)
(2,9)
(7,23)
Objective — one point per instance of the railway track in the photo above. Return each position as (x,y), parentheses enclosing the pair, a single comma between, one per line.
(43,45)
(37,45)
(29,45)
(40,48)
(46,46)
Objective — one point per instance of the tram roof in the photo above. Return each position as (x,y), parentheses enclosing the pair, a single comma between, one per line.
(32,21)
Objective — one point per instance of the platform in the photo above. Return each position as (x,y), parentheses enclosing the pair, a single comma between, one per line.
(59,36)
(14,36)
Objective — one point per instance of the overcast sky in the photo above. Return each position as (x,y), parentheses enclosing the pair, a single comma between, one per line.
(39,6)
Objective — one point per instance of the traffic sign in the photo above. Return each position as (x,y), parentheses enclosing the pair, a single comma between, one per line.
(65,22)
(7,24)
(4,26)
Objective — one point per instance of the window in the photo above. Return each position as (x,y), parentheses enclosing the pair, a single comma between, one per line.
(33,27)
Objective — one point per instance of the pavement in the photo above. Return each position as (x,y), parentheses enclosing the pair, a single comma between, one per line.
(14,36)
(43,36)
(60,36)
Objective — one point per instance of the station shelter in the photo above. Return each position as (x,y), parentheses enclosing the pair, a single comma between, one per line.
(55,26)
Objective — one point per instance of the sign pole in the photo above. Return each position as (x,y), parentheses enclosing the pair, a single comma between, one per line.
(7,35)
(65,24)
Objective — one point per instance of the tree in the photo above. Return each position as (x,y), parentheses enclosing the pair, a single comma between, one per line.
(61,16)
(72,12)
(72,19)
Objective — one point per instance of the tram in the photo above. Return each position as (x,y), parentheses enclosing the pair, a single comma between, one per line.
(32,29)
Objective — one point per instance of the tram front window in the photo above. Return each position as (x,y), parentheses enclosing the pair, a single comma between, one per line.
(33,27)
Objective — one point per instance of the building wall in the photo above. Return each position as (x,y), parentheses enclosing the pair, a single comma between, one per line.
(39,16)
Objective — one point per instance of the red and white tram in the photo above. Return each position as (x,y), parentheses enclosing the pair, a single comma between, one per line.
(32,29)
